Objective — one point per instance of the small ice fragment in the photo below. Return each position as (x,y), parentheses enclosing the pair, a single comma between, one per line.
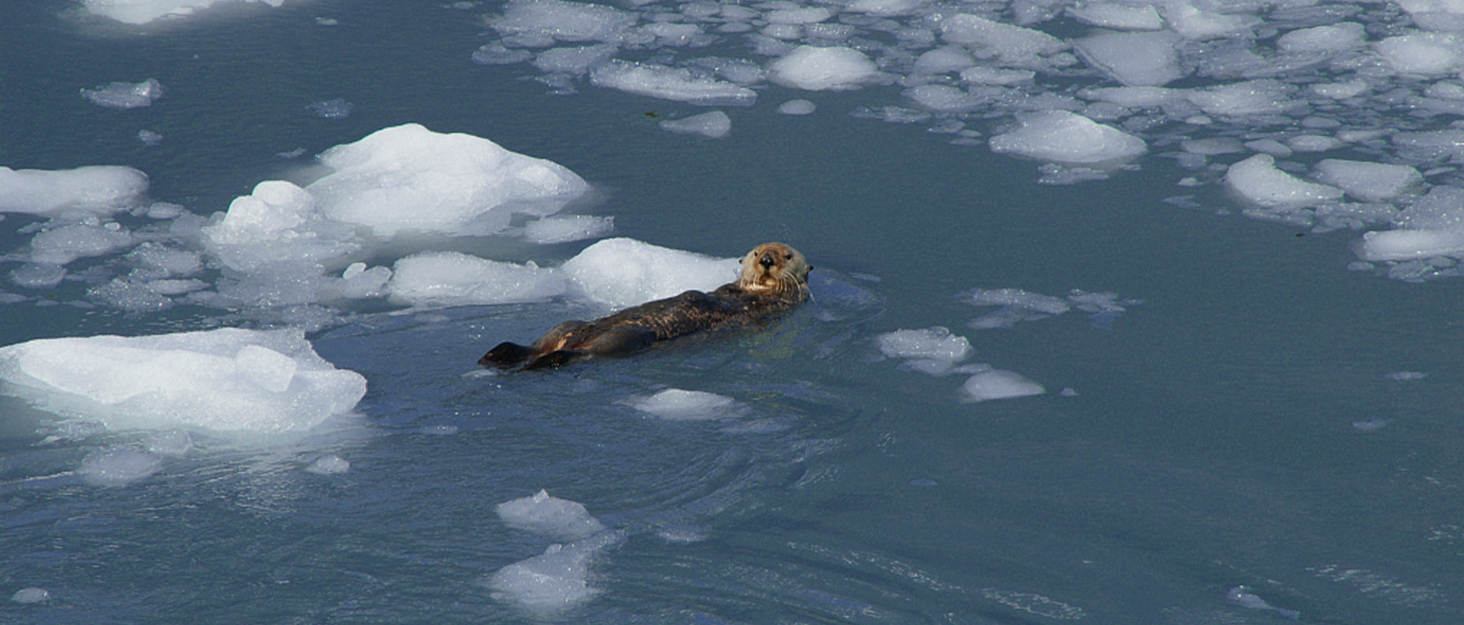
(931,350)
(168,443)
(1066,137)
(329,465)
(680,405)
(117,466)
(714,125)
(564,229)
(999,384)
(818,69)
(148,137)
(122,95)
(1375,423)
(30,595)
(1406,375)
(1242,596)
(550,515)
(797,107)
(331,109)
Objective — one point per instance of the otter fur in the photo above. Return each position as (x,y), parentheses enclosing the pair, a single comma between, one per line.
(774,281)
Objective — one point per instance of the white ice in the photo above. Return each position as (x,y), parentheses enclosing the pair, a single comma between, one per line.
(457,279)
(670,83)
(796,107)
(819,69)
(1406,244)
(329,464)
(1259,181)
(101,190)
(1149,59)
(680,405)
(714,125)
(1012,46)
(1366,181)
(123,95)
(226,379)
(999,384)
(1064,137)
(408,178)
(545,514)
(30,594)
(931,350)
(566,228)
(546,585)
(624,272)
(117,466)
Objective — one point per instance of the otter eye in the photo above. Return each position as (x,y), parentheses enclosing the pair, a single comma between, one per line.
(788,256)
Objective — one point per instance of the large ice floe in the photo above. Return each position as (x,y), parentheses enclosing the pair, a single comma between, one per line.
(224,380)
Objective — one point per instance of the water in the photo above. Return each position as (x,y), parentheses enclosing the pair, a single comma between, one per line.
(1208,440)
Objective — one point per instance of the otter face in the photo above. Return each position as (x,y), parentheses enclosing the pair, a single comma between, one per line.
(774,266)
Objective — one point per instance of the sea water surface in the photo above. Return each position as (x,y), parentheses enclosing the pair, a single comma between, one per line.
(1237,422)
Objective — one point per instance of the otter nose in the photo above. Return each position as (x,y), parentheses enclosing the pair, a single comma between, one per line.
(767,261)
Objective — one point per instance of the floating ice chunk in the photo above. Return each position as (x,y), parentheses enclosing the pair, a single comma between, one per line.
(144,11)
(1036,302)
(943,98)
(564,21)
(148,137)
(818,69)
(715,125)
(1117,15)
(931,350)
(1370,182)
(38,275)
(674,34)
(1064,137)
(1213,146)
(101,190)
(1441,209)
(563,229)
(1134,59)
(624,272)
(1406,376)
(1339,90)
(943,59)
(796,107)
(277,232)
(1132,97)
(575,61)
(498,54)
(1258,181)
(1194,23)
(117,466)
(1242,596)
(541,513)
(1012,45)
(1256,97)
(555,581)
(329,464)
(999,384)
(679,405)
(168,443)
(995,76)
(1370,425)
(1331,38)
(885,8)
(67,243)
(331,109)
(1312,143)
(410,178)
(1428,54)
(455,279)
(123,95)
(667,83)
(801,15)
(1411,244)
(30,595)
(226,379)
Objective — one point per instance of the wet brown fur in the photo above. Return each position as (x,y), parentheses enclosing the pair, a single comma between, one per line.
(774,280)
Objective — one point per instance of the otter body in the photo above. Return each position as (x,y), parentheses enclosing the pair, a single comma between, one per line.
(774,281)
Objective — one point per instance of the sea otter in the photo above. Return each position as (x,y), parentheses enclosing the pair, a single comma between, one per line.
(774,280)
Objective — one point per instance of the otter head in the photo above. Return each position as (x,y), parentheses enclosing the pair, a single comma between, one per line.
(774,267)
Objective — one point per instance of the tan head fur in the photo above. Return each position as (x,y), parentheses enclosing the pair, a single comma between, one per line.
(774,266)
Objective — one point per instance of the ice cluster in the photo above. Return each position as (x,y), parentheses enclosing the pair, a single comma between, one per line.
(302,252)
(1019,305)
(558,579)
(1245,96)
(223,380)
(936,351)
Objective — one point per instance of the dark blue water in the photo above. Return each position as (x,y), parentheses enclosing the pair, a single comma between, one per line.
(1208,440)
